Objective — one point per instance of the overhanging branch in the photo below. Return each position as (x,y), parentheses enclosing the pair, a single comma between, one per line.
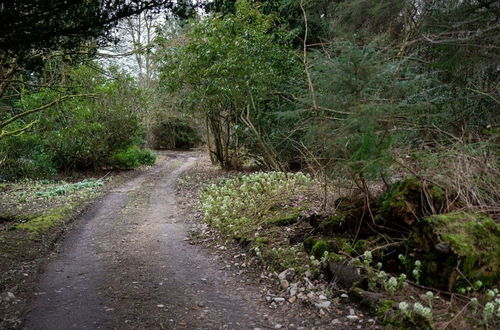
(43,107)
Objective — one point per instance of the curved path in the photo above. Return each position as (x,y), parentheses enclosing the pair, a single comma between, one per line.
(127,265)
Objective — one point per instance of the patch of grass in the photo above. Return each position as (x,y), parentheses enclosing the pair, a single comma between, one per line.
(281,258)
(284,217)
(63,188)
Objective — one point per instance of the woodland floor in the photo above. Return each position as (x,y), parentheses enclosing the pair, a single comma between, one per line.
(129,263)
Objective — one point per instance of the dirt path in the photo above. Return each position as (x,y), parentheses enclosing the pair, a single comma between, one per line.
(128,265)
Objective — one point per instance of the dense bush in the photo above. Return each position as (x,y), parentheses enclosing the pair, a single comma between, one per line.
(132,157)
(78,134)
(25,155)
(224,70)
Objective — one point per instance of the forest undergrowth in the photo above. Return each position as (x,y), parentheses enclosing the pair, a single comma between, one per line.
(410,268)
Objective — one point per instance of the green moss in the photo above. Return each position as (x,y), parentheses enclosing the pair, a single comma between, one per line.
(345,244)
(285,219)
(309,242)
(336,257)
(319,249)
(398,193)
(336,219)
(474,240)
(42,223)
(318,245)
(333,224)
(403,201)
(437,193)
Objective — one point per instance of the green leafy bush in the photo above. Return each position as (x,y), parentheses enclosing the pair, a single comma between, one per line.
(83,132)
(132,157)
(25,156)
(225,71)
(147,157)
(80,133)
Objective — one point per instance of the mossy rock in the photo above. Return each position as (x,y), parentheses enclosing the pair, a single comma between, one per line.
(309,242)
(340,271)
(348,214)
(317,245)
(470,241)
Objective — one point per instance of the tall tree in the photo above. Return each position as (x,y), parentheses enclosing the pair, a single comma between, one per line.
(225,69)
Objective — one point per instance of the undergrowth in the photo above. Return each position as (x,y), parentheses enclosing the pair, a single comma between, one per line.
(257,211)
(254,200)
(412,271)
(27,198)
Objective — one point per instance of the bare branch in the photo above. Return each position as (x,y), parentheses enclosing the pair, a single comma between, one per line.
(304,59)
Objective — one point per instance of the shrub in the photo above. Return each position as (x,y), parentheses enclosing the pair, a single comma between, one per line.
(80,133)
(147,157)
(25,156)
(132,157)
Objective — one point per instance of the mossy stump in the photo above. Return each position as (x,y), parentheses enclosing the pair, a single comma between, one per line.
(457,249)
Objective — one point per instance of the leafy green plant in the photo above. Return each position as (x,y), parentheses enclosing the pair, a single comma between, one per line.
(377,277)
(147,157)
(417,270)
(26,156)
(132,157)
(78,134)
